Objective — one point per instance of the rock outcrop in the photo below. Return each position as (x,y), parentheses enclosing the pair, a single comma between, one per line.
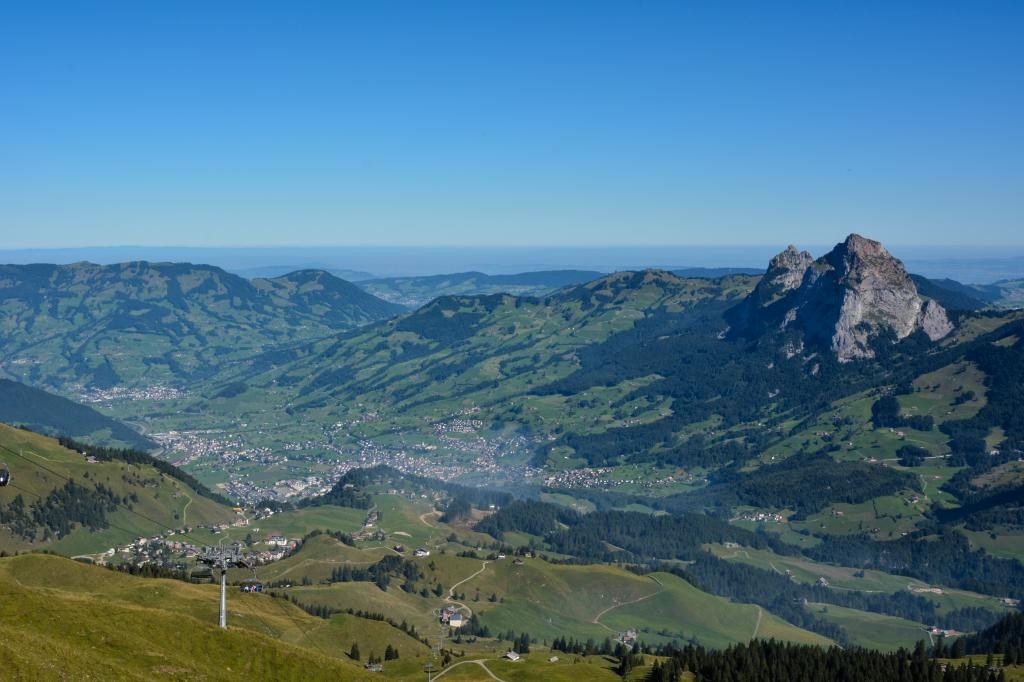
(841,301)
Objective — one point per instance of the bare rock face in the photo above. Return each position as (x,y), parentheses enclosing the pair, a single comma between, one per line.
(934,321)
(786,271)
(842,300)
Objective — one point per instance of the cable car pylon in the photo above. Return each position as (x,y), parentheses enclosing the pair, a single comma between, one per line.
(223,559)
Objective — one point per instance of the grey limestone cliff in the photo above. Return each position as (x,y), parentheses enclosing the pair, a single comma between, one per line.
(842,300)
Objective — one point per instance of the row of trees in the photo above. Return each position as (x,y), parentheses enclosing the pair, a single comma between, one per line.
(770,660)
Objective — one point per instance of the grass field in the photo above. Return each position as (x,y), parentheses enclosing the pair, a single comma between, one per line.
(1007,543)
(711,620)
(546,600)
(843,577)
(42,465)
(74,618)
(873,630)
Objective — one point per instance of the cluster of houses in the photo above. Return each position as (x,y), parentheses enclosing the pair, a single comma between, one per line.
(762,517)
(928,590)
(451,617)
(628,638)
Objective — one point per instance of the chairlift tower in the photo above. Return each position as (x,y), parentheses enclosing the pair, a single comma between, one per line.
(224,558)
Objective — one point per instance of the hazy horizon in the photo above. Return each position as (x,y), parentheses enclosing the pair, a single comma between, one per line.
(969,264)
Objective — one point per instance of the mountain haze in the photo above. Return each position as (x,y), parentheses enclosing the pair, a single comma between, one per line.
(417,291)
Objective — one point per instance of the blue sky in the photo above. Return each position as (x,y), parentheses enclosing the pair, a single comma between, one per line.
(486,123)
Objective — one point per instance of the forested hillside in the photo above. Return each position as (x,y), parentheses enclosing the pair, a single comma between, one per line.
(52,414)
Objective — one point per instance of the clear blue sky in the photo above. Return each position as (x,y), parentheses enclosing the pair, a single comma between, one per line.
(487,123)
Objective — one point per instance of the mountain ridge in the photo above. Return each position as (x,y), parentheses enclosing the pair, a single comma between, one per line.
(840,301)
(143,324)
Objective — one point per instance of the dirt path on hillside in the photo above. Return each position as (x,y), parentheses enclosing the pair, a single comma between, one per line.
(757,625)
(426,514)
(451,590)
(478,661)
(597,618)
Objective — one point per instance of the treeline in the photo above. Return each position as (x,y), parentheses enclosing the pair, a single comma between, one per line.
(39,411)
(526,516)
(590,647)
(460,508)
(983,510)
(57,514)
(787,599)
(619,535)
(945,560)
(1005,637)
(644,536)
(380,573)
(764,661)
(808,483)
(138,457)
(885,413)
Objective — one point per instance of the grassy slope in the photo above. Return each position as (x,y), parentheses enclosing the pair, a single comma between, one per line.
(712,620)
(872,630)
(846,578)
(411,377)
(546,600)
(76,620)
(167,501)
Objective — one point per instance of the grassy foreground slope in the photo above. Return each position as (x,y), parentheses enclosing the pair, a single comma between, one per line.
(82,622)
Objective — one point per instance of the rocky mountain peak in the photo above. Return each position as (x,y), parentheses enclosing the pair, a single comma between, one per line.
(785,273)
(842,300)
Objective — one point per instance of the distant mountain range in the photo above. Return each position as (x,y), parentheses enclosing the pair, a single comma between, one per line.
(278,270)
(627,367)
(145,323)
(417,291)
(414,292)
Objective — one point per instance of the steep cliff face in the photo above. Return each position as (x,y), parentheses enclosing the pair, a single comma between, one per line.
(840,301)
